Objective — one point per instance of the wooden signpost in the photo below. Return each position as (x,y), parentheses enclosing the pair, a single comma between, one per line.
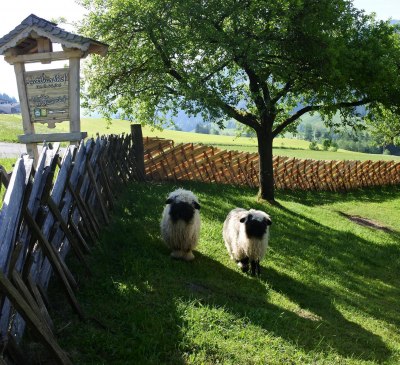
(53,95)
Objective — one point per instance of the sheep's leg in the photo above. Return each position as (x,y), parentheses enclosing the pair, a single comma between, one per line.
(188,256)
(255,268)
(177,254)
(253,264)
(243,264)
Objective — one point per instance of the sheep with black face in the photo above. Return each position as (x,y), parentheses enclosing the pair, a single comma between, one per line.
(246,234)
(180,224)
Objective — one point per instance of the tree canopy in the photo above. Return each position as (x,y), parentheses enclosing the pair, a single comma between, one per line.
(263,63)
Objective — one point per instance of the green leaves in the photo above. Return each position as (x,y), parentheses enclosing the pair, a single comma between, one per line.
(263,63)
(251,61)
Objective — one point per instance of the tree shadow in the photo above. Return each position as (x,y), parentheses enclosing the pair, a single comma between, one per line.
(315,324)
(312,198)
(135,283)
(366,271)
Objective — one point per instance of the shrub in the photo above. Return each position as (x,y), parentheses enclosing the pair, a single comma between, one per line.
(313,146)
(326,143)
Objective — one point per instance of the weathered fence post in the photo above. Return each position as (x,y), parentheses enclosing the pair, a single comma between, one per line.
(138,150)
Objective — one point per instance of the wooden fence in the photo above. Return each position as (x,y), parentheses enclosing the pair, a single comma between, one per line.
(166,161)
(59,206)
(48,212)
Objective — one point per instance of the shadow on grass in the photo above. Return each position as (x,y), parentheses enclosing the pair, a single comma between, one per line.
(317,325)
(312,198)
(135,285)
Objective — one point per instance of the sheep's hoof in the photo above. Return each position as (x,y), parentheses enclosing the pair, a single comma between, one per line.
(243,264)
(188,256)
(179,255)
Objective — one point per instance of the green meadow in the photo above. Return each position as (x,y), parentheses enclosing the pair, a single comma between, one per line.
(328,291)
(11,127)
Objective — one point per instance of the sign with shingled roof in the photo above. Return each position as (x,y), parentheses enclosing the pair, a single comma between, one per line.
(53,95)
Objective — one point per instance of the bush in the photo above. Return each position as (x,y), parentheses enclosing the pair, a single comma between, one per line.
(386,152)
(326,143)
(313,146)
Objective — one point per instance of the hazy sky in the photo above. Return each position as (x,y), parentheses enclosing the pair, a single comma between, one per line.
(13,12)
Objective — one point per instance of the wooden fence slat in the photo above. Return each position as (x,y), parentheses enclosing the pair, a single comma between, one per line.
(57,264)
(190,161)
(30,317)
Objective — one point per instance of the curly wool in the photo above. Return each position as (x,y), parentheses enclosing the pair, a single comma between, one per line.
(181,236)
(239,244)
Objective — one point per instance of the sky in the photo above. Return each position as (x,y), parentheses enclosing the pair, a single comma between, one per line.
(12,13)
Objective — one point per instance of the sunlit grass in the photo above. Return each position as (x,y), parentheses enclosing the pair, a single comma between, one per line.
(11,127)
(328,293)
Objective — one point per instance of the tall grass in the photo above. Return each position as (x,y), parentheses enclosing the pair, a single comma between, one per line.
(328,292)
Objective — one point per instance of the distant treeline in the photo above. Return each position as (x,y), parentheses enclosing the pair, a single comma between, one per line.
(8,98)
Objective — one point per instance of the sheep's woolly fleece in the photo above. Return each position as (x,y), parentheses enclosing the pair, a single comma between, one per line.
(237,242)
(180,236)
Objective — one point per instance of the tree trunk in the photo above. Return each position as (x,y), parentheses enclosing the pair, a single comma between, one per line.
(265,139)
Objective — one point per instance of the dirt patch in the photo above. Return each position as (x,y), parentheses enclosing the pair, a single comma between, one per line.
(366,222)
(308,315)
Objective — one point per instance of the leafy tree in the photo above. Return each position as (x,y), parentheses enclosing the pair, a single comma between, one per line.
(326,143)
(308,132)
(385,125)
(317,134)
(204,129)
(313,146)
(263,63)
(8,98)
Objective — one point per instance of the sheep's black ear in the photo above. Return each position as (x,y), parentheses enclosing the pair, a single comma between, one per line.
(196,205)
(168,201)
(269,222)
(242,220)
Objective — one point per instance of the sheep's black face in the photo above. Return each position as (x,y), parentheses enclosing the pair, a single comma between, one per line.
(255,228)
(181,210)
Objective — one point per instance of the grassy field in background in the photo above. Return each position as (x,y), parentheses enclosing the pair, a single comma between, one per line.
(7,163)
(11,127)
(328,292)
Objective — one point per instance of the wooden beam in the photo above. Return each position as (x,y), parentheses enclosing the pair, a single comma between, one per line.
(52,137)
(138,148)
(74,94)
(45,57)
(28,127)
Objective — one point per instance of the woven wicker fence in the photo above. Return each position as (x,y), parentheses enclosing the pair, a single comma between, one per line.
(166,161)
(49,211)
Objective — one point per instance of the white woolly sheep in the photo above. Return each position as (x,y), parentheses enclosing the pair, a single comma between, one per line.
(180,224)
(246,234)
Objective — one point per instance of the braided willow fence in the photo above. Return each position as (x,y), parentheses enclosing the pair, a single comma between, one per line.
(60,206)
(47,212)
(166,161)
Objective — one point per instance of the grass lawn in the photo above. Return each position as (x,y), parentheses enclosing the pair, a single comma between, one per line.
(329,290)
(11,127)
(7,163)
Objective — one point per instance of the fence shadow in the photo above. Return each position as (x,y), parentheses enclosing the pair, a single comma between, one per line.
(135,276)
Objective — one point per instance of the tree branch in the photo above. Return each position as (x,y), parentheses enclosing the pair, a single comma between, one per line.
(243,117)
(282,92)
(211,74)
(255,87)
(165,59)
(310,108)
